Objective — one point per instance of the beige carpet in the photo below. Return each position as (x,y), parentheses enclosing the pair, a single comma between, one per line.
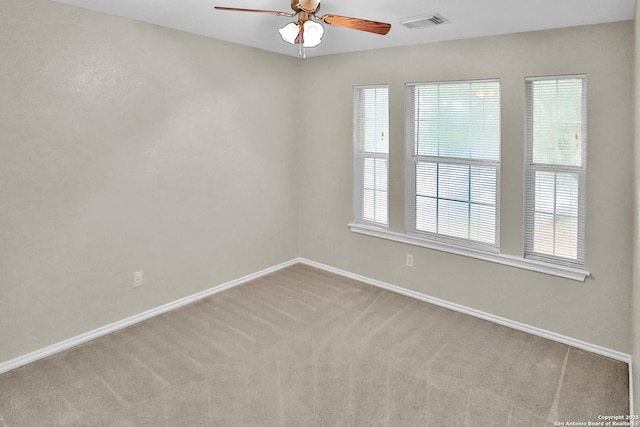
(302,347)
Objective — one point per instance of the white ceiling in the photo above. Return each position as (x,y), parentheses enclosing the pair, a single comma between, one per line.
(467,19)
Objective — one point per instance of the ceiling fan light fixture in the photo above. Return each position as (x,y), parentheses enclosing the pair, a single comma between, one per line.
(289,32)
(305,31)
(312,33)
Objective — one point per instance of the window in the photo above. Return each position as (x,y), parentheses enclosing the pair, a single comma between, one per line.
(371,155)
(555,169)
(453,162)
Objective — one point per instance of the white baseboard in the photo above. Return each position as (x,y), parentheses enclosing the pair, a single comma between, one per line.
(121,324)
(593,348)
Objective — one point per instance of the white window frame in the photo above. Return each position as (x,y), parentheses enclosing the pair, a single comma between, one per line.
(558,270)
(531,168)
(359,156)
(412,159)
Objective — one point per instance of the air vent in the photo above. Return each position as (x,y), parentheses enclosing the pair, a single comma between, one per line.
(423,21)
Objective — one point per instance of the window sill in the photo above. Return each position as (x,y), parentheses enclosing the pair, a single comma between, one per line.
(509,260)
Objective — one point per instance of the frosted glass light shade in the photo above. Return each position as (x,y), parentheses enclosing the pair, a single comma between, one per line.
(289,32)
(312,34)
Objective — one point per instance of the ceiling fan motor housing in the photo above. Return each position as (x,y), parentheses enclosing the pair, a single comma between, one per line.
(310,6)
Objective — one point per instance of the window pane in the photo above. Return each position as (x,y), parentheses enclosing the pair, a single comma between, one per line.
(369,173)
(426,214)
(453,218)
(567,194)
(447,210)
(453,181)
(544,233)
(483,184)
(374,203)
(381,207)
(566,242)
(557,122)
(426,124)
(556,213)
(482,223)
(426,179)
(368,205)
(545,192)
(458,120)
(375,121)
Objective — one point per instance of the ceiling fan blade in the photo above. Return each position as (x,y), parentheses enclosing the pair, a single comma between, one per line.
(357,24)
(271,12)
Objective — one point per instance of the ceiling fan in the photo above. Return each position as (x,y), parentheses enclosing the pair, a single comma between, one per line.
(306,32)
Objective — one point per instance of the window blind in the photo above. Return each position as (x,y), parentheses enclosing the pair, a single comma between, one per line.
(371,154)
(555,169)
(453,162)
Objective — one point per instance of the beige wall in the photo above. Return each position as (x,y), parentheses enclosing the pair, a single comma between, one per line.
(126,146)
(596,311)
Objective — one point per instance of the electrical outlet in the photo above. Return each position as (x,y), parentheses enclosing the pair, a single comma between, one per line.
(409,262)
(137,279)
